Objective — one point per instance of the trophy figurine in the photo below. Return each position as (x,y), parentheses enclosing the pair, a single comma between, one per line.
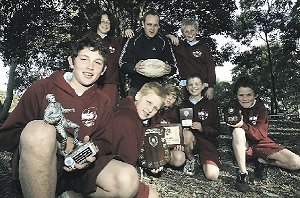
(231,115)
(54,115)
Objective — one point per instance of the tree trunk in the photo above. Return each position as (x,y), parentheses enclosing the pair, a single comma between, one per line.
(9,91)
(274,102)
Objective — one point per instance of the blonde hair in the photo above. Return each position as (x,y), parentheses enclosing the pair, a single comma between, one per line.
(153,87)
(187,21)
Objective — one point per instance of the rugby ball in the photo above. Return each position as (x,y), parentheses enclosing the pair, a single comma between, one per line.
(153,68)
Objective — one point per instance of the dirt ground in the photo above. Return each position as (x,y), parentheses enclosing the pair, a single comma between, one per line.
(173,183)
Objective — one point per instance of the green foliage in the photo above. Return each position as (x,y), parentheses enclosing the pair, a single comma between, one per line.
(31,38)
(266,20)
(35,34)
(259,18)
(286,69)
(223,94)
(214,16)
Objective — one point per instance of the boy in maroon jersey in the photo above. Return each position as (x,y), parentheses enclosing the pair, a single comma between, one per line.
(250,135)
(36,162)
(128,127)
(194,56)
(102,27)
(170,114)
(201,137)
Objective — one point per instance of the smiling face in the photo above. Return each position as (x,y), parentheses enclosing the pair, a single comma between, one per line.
(245,96)
(190,32)
(151,25)
(87,67)
(194,86)
(147,105)
(104,25)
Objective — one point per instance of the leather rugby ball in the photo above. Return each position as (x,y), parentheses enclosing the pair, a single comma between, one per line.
(153,68)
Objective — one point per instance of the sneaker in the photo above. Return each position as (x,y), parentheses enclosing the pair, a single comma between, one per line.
(64,195)
(242,183)
(260,170)
(189,168)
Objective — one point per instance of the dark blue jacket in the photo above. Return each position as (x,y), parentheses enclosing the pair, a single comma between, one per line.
(141,47)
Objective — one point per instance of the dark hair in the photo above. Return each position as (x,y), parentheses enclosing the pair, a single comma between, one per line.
(244,81)
(96,20)
(194,75)
(94,43)
(150,12)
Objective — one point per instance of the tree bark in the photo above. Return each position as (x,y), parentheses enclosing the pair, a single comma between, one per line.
(9,91)
(274,102)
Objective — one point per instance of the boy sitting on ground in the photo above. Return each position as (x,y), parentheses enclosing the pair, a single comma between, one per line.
(250,136)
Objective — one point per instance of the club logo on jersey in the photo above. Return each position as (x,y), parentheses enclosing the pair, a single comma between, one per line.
(253,119)
(89,116)
(202,114)
(197,53)
(231,110)
(111,49)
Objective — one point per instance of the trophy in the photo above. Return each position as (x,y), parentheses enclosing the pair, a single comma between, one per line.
(186,117)
(80,153)
(232,115)
(155,151)
(54,115)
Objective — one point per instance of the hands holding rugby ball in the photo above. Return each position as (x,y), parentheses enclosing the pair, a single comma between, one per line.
(152,68)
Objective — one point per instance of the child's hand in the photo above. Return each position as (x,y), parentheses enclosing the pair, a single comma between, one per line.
(179,148)
(89,160)
(239,124)
(209,93)
(197,125)
(69,145)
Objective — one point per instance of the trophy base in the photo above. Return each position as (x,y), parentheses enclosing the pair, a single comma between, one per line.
(80,154)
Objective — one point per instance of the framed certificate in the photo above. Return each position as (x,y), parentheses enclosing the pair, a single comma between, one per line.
(186,117)
(173,133)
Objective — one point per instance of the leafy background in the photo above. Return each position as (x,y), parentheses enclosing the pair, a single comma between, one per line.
(35,36)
